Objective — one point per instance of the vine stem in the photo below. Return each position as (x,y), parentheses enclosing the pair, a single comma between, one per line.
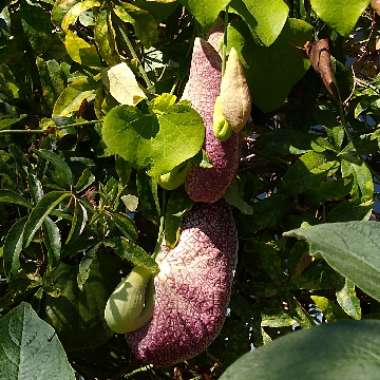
(80,123)
(28,131)
(343,119)
(135,56)
(42,131)
(160,237)
(161,229)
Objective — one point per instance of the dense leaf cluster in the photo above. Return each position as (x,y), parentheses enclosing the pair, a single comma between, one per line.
(89,121)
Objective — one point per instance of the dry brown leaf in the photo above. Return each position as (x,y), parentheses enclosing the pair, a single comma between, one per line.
(320,57)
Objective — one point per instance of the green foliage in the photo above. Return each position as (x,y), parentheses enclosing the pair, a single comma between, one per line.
(160,141)
(264,19)
(74,303)
(340,15)
(206,12)
(300,356)
(95,146)
(30,347)
(269,91)
(340,244)
(41,212)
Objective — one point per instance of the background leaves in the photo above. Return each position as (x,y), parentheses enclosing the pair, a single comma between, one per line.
(89,119)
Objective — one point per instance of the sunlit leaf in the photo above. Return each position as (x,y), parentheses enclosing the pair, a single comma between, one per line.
(81,51)
(104,38)
(74,12)
(124,86)
(313,354)
(264,19)
(73,95)
(207,11)
(341,15)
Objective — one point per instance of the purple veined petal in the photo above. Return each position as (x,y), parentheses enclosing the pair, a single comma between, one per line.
(192,290)
(208,185)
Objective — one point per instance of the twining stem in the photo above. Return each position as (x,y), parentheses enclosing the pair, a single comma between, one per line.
(135,57)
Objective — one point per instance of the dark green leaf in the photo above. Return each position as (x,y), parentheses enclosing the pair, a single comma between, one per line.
(40,212)
(79,221)
(9,196)
(177,205)
(52,241)
(52,81)
(132,252)
(85,180)
(350,248)
(30,348)
(308,172)
(12,249)
(35,187)
(147,203)
(143,22)
(272,71)
(125,225)
(37,27)
(85,266)
(330,352)
(62,172)
(235,198)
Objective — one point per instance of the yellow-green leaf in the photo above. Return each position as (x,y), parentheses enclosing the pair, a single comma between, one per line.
(81,51)
(75,11)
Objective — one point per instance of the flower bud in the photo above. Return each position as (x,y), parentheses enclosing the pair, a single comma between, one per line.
(235,99)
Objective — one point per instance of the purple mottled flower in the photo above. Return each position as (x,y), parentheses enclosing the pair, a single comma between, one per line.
(192,289)
(203,87)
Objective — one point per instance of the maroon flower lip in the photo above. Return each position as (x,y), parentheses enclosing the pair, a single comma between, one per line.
(208,185)
(192,290)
